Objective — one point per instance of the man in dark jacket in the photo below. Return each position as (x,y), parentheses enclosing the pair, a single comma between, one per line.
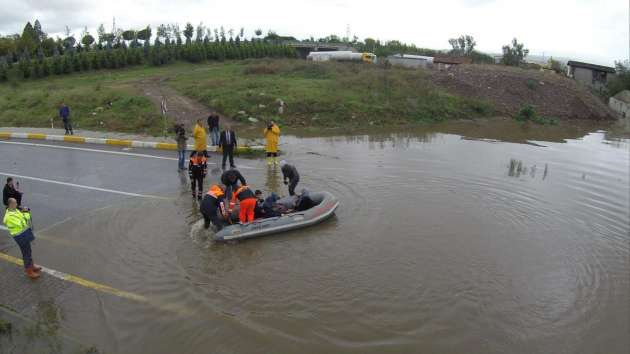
(64,113)
(10,191)
(213,208)
(227,142)
(197,170)
(230,179)
(213,126)
(290,172)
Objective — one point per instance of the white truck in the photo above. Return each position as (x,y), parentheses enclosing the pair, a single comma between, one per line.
(342,56)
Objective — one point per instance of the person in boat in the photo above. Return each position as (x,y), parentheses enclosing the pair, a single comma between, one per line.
(290,172)
(230,179)
(247,202)
(213,208)
(304,201)
(259,212)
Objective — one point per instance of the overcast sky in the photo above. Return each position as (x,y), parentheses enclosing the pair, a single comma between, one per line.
(591,30)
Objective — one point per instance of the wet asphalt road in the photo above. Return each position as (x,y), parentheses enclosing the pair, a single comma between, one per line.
(443,243)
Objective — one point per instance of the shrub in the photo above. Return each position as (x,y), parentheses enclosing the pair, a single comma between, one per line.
(526,113)
(260,69)
(531,84)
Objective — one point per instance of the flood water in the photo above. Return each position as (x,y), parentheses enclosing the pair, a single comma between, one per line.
(444,242)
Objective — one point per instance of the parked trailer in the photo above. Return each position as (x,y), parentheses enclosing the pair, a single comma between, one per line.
(342,56)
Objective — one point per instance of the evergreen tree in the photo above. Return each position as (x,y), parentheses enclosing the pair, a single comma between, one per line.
(57,63)
(37,69)
(29,39)
(76,63)
(188,33)
(24,66)
(41,36)
(4,70)
(96,60)
(46,67)
(85,61)
(66,64)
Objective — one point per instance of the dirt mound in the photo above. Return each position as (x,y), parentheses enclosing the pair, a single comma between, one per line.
(509,89)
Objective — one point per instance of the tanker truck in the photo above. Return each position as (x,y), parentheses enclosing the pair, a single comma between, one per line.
(342,56)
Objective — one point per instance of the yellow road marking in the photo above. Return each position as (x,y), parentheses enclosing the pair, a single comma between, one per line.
(74,139)
(80,281)
(36,136)
(166,146)
(118,142)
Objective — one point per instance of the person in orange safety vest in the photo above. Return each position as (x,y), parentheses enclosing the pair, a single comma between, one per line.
(247,201)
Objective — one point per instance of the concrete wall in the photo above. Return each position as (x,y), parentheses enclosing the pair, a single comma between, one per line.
(585,76)
(408,63)
(620,107)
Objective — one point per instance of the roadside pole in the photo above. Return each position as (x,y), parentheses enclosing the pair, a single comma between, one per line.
(164,110)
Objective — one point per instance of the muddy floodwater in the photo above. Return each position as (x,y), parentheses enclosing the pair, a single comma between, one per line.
(459,240)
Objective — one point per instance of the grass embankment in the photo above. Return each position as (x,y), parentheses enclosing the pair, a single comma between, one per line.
(33,103)
(324,94)
(316,94)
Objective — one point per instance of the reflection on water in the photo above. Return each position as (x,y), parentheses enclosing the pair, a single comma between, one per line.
(435,248)
(517,169)
(272,182)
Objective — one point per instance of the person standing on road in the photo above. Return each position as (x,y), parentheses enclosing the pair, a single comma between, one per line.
(18,221)
(199,134)
(64,113)
(272,136)
(290,172)
(181,138)
(213,126)
(197,170)
(213,208)
(11,191)
(227,143)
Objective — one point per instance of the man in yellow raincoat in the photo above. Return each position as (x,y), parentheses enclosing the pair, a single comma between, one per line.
(199,134)
(272,135)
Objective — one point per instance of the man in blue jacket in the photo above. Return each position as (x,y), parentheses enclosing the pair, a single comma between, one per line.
(64,113)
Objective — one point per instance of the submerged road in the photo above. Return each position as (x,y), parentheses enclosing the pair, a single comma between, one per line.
(67,184)
(442,244)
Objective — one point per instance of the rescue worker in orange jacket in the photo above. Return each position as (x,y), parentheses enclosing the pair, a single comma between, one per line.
(213,208)
(197,170)
(247,201)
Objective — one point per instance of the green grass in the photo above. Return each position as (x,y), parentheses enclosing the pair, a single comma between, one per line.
(316,95)
(33,103)
(324,94)
(529,114)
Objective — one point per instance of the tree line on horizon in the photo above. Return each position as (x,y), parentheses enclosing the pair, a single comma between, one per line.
(34,54)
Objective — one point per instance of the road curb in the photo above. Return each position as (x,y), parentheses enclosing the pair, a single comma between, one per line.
(114,142)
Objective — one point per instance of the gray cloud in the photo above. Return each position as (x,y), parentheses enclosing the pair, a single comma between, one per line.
(583,29)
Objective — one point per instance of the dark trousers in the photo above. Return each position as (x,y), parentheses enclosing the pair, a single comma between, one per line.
(292,184)
(181,158)
(24,242)
(197,182)
(214,219)
(228,151)
(68,126)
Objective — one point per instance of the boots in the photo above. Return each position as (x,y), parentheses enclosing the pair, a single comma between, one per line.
(31,273)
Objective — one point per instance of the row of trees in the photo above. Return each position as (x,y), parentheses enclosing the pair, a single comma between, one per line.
(130,48)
